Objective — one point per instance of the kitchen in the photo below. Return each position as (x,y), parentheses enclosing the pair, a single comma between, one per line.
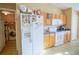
(56,34)
(42,28)
(57,25)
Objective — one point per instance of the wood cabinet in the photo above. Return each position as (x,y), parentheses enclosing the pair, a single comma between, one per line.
(62,17)
(49,40)
(65,19)
(67,36)
(46,40)
(48,21)
(52,40)
(53,17)
(44,18)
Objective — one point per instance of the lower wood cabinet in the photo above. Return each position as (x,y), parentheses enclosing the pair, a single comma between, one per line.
(49,40)
(67,36)
(46,41)
(52,40)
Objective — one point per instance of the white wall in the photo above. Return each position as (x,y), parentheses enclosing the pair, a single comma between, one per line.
(18,33)
(2,36)
(74,25)
(45,7)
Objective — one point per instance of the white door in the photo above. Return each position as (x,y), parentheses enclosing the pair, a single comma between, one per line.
(26,35)
(74,26)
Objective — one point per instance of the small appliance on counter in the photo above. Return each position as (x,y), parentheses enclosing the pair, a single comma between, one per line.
(52,28)
(61,28)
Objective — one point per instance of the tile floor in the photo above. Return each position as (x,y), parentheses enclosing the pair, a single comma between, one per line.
(10,48)
(70,48)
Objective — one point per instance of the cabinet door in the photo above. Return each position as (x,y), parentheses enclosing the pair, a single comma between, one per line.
(48,21)
(64,19)
(52,39)
(53,17)
(61,18)
(46,41)
(69,36)
(44,18)
(65,37)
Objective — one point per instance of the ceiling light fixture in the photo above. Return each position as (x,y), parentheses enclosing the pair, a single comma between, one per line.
(6,12)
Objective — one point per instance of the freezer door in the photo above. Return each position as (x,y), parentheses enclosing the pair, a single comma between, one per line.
(26,44)
(26,34)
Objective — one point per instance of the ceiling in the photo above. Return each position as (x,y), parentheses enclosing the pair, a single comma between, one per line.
(74,6)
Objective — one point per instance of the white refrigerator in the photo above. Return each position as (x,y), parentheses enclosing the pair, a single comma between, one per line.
(31,34)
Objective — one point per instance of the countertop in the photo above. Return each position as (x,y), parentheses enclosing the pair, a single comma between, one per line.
(56,32)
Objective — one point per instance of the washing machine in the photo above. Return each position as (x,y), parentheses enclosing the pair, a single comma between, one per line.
(12,34)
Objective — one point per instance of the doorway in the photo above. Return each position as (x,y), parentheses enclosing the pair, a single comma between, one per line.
(8,18)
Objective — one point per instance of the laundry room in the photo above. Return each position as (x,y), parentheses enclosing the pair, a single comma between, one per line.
(7,12)
(9,22)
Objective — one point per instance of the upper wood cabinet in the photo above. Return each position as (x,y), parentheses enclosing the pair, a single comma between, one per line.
(44,18)
(47,21)
(53,17)
(63,18)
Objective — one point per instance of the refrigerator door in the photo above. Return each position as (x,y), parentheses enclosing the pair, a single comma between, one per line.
(26,35)
(37,35)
